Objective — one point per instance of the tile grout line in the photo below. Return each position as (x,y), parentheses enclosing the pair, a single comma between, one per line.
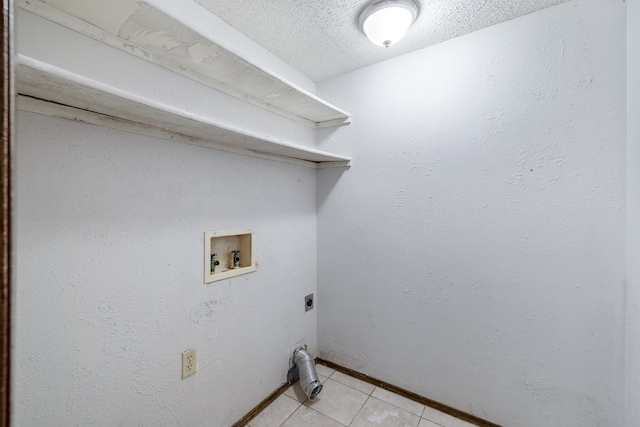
(409,395)
(326,415)
(294,411)
(363,403)
(369,396)
(360,409)
(244,421)
(402,409)
(396,406)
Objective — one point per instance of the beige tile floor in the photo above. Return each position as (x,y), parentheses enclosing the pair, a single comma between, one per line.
(350,402)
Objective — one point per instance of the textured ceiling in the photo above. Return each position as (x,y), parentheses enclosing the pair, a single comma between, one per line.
(321,37)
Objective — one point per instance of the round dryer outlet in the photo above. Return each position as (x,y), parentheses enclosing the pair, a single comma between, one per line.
(308,302)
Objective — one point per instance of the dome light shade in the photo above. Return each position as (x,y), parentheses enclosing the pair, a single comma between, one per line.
(386,22)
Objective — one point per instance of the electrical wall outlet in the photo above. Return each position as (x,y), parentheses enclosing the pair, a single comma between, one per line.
(189,362)
(308,302)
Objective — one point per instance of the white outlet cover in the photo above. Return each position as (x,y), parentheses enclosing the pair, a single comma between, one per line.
(189,362)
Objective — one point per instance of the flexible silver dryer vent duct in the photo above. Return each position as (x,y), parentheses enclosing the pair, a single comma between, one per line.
(305,366)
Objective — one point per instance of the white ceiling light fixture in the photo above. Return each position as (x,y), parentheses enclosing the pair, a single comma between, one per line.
(387,21)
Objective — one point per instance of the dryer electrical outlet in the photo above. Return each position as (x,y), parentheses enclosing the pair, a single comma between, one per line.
(308,302)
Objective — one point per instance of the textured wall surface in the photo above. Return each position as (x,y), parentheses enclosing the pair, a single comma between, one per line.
(633,214)
(110,229)
(474,253)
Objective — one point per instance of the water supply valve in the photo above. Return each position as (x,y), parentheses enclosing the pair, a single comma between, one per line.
(214,263)
(236,259)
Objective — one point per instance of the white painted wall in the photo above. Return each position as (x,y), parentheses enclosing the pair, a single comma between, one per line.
(474,253)
(110,229)
(633,214)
